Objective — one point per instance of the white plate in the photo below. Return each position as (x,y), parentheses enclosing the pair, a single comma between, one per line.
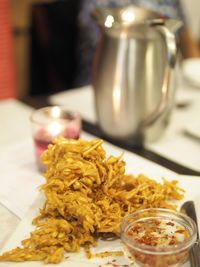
(135,165)
(191,184)
(191,71)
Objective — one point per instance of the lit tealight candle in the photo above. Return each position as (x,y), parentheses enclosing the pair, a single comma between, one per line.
(51,122)
(54,129)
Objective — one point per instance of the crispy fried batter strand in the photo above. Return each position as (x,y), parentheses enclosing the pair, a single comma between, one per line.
(87,195)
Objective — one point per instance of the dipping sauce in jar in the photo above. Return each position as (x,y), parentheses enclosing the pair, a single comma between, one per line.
(159,233)
(158,237)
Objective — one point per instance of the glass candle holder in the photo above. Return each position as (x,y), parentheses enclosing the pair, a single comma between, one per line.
(51,122)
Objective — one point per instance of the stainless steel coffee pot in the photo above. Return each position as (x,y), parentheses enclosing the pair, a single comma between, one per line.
(133,72)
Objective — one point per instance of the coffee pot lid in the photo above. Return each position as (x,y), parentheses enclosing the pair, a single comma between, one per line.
(124,16)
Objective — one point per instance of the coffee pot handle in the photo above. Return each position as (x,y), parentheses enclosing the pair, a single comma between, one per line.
(168,34)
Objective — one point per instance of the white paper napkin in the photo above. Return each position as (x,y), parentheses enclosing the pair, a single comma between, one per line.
(14,122)
(19,177)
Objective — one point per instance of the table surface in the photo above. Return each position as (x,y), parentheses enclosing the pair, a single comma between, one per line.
(93,128)
(173,142)
(15,126)
(12,129)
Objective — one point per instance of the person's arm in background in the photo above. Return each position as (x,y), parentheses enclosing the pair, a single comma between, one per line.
(188,46)
(187,43)
(174,9)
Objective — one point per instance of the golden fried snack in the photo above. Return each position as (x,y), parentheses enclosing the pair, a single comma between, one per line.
(87,195)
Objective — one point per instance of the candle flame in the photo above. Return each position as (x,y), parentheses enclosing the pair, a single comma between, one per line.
(54,129)
(55,112)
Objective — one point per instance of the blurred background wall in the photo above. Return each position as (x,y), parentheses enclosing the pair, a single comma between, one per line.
(21,11)
(45,39)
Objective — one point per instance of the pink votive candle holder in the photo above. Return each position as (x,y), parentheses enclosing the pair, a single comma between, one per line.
(51,122)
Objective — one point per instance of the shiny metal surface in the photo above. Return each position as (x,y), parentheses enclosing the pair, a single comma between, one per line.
(133,73)
(194,255)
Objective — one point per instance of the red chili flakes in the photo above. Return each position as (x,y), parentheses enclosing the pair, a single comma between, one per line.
(180,231)
(170,223)
(157,233)
(172,242)
(157,222)
(148,240)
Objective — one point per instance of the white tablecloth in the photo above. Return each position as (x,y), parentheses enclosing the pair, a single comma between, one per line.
(19,175)
(174,144)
